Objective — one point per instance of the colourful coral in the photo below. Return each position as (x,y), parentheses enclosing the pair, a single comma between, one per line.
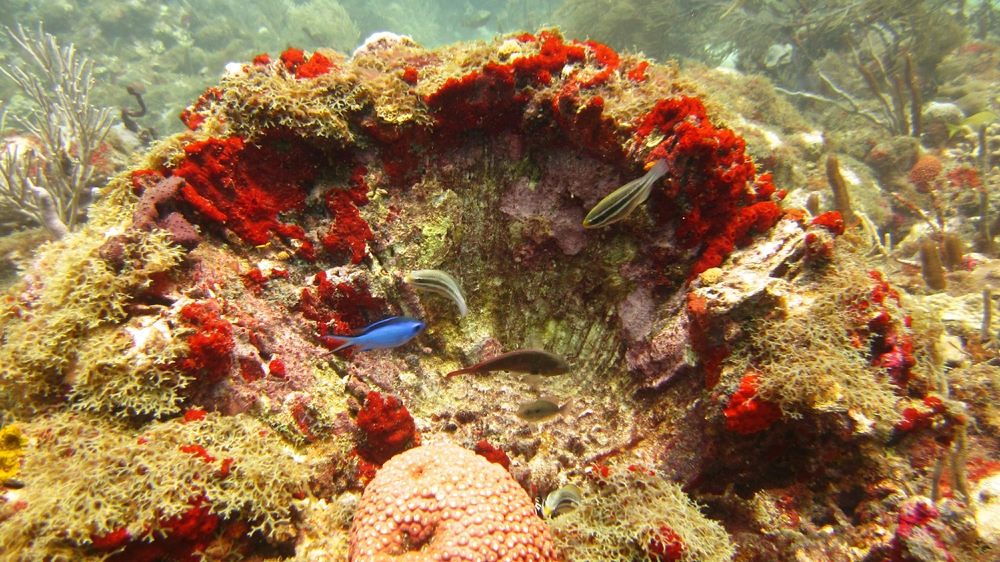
(745,412)
(349,234)
(831,221)
(443,502)
(921,534)
(925,171)
(210,349)
(710,168)
(493,454)
(388,428)
(174,484)
(244,187)
(631,513)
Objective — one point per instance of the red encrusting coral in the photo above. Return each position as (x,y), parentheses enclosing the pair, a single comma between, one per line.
(243,187)
(254,280)
(291,58)
(492,98)
(638,74)
(209,355)
(262,59)
(193,415)
(920,534)
(276,368)
(710,168)
(251,369)
(665,546)
(388,428)
(195,114)
(410,75)
(711,354)
(888,347)
(340,307)
(747,413)
(198,451)
(916,418)
(304,417)
(493,454)
(317,65)
(831,221)
(349,235)
(182,538)
(607,57)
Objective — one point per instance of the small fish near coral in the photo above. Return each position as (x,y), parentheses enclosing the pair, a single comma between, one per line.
(561,501)
(973,122)
(384,334)
(440,282)
(625,199)
(529,361)
(541,410)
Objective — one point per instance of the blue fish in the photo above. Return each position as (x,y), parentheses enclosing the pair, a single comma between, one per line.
(391,332)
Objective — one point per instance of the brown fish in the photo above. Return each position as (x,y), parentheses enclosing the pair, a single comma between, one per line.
(541,410)
(531,361)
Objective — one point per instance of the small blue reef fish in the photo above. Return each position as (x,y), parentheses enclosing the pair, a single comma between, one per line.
(440,282)
(625,199)
(391,332)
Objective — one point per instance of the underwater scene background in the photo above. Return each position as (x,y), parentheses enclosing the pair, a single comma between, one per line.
(578,280)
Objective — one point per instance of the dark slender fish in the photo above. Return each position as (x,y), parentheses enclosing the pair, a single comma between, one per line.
(530,361)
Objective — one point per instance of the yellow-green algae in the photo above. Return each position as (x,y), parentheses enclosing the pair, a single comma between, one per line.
(625,512)
(88,476)
(12,444)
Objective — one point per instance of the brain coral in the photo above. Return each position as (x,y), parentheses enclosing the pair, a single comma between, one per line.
(443,502)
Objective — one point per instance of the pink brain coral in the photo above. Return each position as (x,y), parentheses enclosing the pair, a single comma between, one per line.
(445,503)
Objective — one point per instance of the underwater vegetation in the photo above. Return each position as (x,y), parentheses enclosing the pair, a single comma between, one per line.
(692,322)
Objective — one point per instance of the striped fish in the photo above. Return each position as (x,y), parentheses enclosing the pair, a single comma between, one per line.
(440,282)
(619,204)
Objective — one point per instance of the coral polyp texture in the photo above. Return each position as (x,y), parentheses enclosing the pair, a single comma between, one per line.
(443,502)
(737,367)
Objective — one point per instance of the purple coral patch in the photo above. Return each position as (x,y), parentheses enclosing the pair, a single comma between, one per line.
(156,200)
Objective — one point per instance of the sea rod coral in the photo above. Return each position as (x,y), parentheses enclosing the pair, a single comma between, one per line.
(47,177)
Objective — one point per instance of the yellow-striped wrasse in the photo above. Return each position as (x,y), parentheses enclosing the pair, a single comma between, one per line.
(440,282)
(625,199)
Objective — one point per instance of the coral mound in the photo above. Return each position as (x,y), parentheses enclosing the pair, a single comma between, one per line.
(443,502)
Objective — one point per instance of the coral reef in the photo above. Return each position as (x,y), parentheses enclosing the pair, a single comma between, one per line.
(629,513)
(136,489)
(445,502)
(746,379)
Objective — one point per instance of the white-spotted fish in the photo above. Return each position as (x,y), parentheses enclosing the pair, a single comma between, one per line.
(440,282)
(625,199)
(561,501)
